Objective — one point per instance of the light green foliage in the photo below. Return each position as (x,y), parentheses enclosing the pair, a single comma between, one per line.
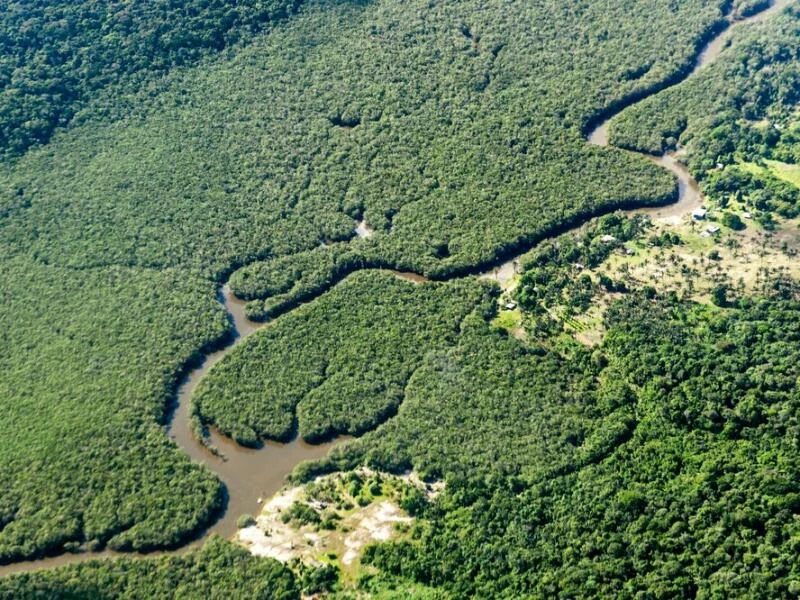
(316,579)
(787,172)
(692,492)
(466,144)
(340,364)
(245,521)
(389,588)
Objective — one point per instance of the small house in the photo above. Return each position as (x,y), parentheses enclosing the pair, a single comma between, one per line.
(698,214)
(608,239)
(712,229)
(747,215)
(511,305)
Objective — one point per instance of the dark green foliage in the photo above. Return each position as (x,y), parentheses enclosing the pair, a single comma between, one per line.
(767,221)
(662,464)
(299,514)
(340,364)
(665,239)
(199,175)
(287,281)
(744,8)
(316,580)
(414,501)
(730,348)
(692,493)
(218,570)
(84,391)
(114,234)
(784,147)
(56,54)
(714,113)
(381,587)
(488,405)
(733,221)
(245,521)
(706,108)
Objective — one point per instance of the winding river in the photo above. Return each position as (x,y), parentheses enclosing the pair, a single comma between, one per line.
(249,474)
(689,196)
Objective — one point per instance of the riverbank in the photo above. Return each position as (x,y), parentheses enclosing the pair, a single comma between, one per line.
(332,518)
(243,470)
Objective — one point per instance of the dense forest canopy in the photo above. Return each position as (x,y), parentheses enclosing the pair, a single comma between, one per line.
(669,472)
(88,395)
(264,171)
(338,366)
(218,570)
(55,56)
(661,463)
(465,142)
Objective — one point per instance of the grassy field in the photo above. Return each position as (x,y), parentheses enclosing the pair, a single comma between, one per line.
(787,172)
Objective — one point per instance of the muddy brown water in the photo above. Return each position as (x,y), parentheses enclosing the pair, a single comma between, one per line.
(689,195)
(250,474)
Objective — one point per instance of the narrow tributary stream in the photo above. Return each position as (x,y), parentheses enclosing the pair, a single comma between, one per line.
(253,474)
